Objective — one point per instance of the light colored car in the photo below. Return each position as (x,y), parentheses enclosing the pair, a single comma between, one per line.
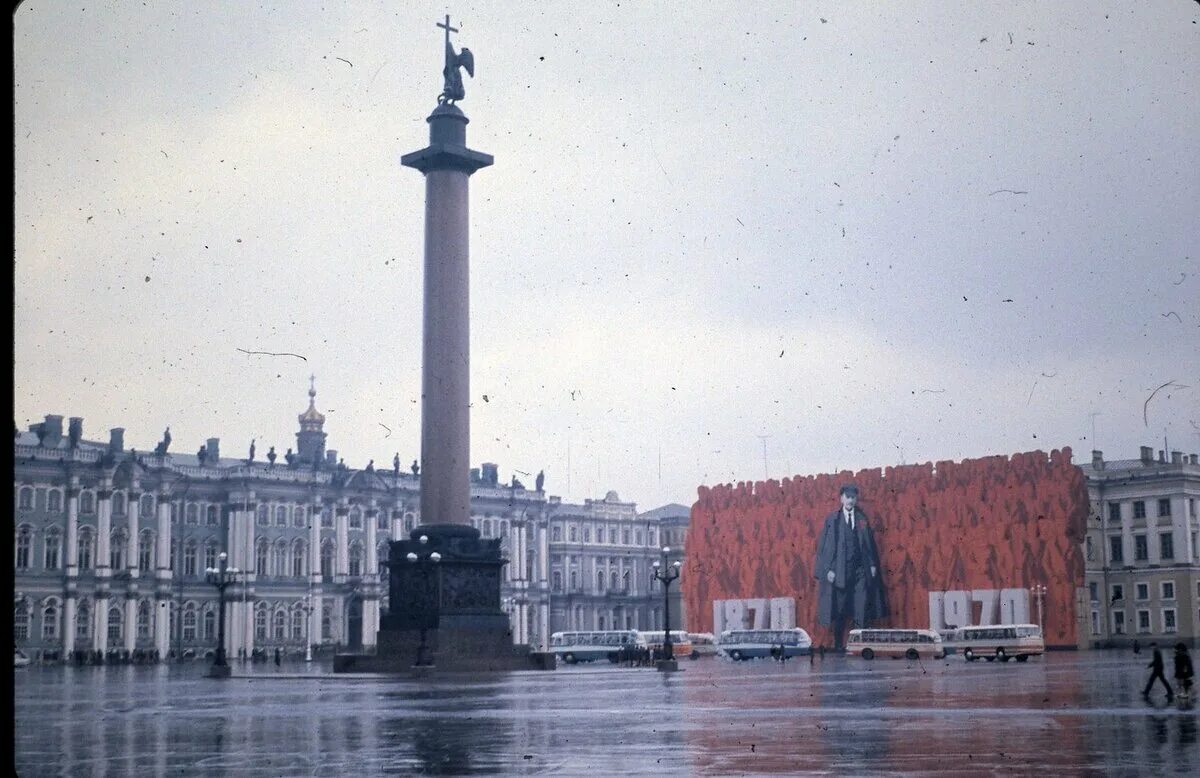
(19,658)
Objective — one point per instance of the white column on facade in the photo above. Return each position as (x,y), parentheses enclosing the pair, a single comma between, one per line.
(314,573)
(397,524)
(133,508)
(72,560)
(371,563)
(342,566)
(162,573)
(131,603)
(103,570)
(68,626)
(249,560)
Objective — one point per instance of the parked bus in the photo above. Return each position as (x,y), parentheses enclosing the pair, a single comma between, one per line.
(681,643)
(574,647)
(739,644)
(703,643)
(1000,641)
(896,643)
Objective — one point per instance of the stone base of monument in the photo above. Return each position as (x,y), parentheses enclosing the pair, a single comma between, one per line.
(667,665)
(453,598)
(220,671)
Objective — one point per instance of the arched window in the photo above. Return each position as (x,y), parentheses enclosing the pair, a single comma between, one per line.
(299,557)
(213,516)
(50,622)
(146,508)
(356,559)
(381,522)
(192,514)
(87,502)
(53,545)
(54,501)
(260,624)
(297,624)
(210,625)
(143,620)
(115,632)
(326,519)
(264,516)
(25,498)
(650,538)
(24,547)
(146,552)
(260,557)
(210,555)
(557,578)
(326,625)
(637,537)
(409,521)
(189,558)
(587,534)
(612,536)
(356,519)
(280,561)
(571,533)
(86,539)
(281,516)
(381,554)
(612,580)
(83,620)
(574,580)
(189,622)
(599,580)
(556,534)
(118,504)
(327,552)
(299,518)
(21,621)
(116,550)
(279,626)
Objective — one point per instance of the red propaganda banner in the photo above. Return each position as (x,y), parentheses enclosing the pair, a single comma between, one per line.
(995,524)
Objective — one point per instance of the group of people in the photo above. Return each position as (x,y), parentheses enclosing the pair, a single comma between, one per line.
(1183,672)
(114,656)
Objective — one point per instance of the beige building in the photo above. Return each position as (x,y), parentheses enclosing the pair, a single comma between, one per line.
(1142,551)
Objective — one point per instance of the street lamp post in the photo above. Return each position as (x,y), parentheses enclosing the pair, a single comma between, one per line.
(222,577)
(1039,591)
(667,574)
(426,563)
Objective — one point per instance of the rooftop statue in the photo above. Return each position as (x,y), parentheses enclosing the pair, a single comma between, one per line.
(453,89)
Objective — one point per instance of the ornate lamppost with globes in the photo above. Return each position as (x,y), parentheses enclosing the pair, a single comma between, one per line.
(426,562)
(1039,591)
(222,577)
(667,574)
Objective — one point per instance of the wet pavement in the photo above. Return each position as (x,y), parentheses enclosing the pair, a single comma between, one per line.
(1064,714)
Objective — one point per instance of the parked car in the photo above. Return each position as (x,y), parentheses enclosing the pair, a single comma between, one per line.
(20,659)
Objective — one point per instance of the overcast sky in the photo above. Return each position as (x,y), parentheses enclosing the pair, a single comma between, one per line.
(874,233)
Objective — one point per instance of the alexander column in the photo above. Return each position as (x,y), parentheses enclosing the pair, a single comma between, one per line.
(445,380)
(444,580)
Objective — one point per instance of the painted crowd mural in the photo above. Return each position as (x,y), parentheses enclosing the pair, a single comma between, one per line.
(915,546)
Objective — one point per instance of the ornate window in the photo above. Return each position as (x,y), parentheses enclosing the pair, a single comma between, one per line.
(297,624)
(118,504)
(612,536)
(210,624)
(25,498)
(87,502)
(279,563)
(116,550)
(143,620)
(115,633)
(327,551)
(574,580)
(264,516)
(146,552)
(83,620)
(50,622)
(86,539)
(52,548)
(260,557)
(189,622)
(408,523)
(21,621)
(557,578)
(556,534)
(356,519)
(191,514)
(146,508)
(210,555)
(54,501)
(587,534)
(381,521)
(326,625)
(280,625)
(612,580)
(260,624)
(281,516)
(571,535)
(189,558)
(355,558)
(24,547)
(213,516)
(298,558)
(650,538)
(326,519)
(298,517)
(599,580)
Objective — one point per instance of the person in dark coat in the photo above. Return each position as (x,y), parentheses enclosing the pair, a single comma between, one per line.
(278,657)
(848,569)
(1183,670)
(1156,666)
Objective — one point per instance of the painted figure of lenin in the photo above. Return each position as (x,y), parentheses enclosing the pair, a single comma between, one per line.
(847,568)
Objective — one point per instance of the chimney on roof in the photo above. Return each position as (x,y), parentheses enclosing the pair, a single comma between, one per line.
(213,449)
(1177,457)
(52,431)
(1194,459)
(1097,459)
(491,473)
(1162,456)
(331,457)
(1147,455)
(75,430)
(116,440)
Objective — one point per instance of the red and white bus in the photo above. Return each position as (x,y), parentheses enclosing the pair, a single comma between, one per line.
(999,641)
(896,643)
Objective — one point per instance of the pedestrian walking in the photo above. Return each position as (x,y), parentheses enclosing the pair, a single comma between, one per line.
(1137,647)
(278,657)
(1156,666)
(1183,670)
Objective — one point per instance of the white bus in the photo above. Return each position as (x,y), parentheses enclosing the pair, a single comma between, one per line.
(1000,641)
(681,642)
(739,644)
(896,643)
(574,647)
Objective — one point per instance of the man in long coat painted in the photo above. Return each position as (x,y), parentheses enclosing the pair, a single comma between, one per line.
(848,569)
